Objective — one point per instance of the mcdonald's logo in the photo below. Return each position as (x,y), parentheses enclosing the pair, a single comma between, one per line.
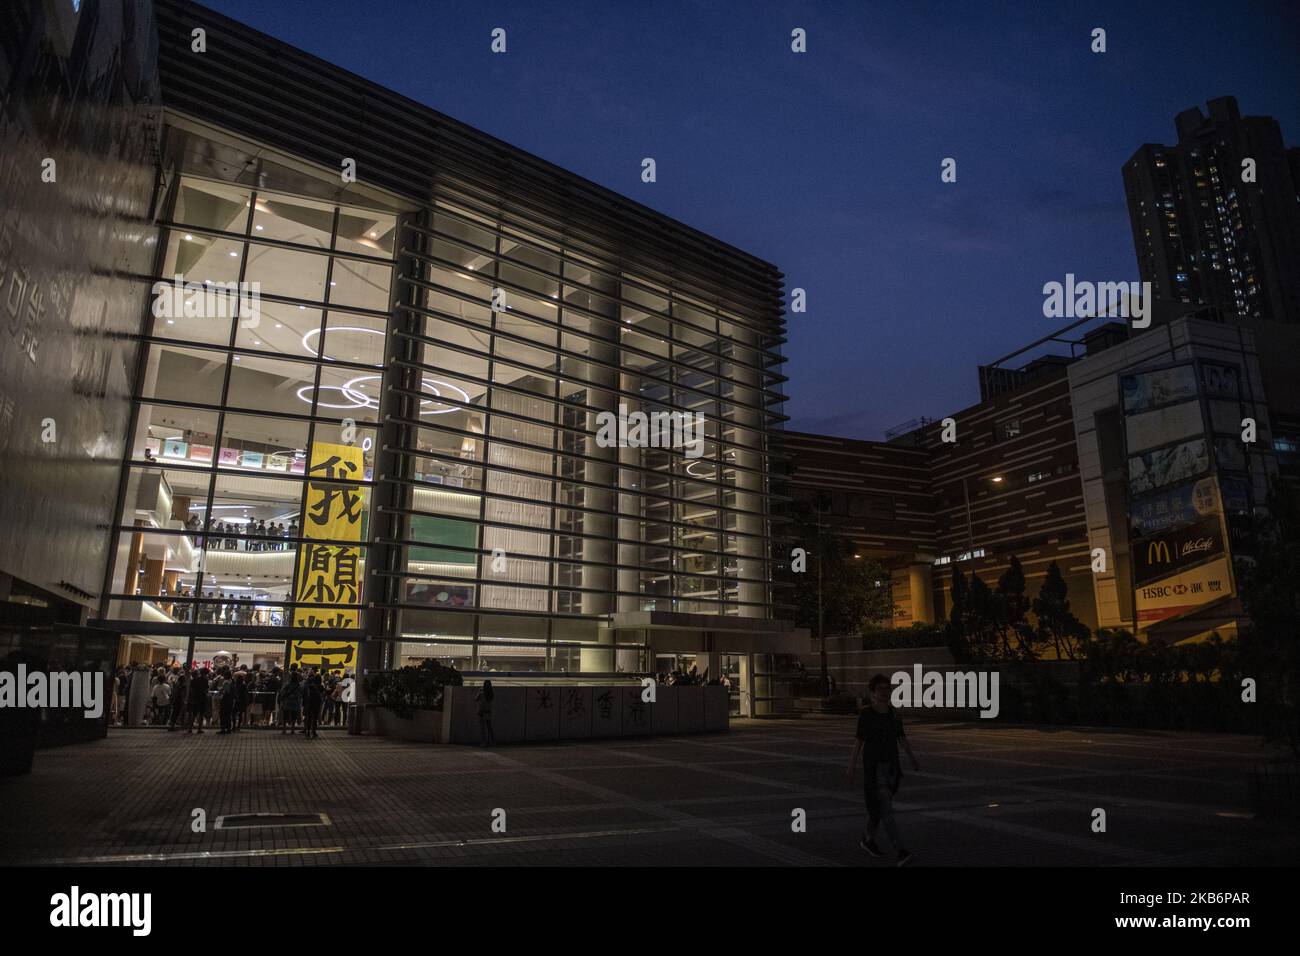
(1158,552)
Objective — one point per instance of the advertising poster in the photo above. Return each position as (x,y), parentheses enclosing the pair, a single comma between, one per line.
(1221,381)
(1225,417)
(1229,454)
(1174,508)
(1164,425)
(1177,549)
(1183,593)
(1166,466)
(1145,390)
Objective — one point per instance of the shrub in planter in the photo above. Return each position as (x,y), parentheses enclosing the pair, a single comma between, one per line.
(408,689)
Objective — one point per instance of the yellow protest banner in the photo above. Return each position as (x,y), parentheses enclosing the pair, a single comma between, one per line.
(330,573)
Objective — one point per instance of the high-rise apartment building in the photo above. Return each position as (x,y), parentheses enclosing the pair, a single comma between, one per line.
(1216,217)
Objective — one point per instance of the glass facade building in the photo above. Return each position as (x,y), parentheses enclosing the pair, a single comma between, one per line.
(367,410)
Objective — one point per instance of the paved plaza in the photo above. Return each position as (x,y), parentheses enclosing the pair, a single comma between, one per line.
(999,795)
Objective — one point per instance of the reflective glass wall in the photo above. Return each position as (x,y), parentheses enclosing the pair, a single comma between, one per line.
(516,509)
(251,466)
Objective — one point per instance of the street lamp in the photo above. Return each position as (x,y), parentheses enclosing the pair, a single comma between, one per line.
(970,531)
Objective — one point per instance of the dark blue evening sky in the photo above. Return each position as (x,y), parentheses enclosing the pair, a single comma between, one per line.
(827,163)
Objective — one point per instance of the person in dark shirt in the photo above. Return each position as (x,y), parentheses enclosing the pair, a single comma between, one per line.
(313,697)
(879,731)
(227,705)
(198,700)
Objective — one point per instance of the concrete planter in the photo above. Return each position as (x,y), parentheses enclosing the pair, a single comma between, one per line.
(423,726)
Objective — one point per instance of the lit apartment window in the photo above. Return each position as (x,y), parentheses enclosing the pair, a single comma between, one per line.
(1038,476)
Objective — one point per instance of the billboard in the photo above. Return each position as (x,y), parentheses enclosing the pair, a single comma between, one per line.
(1183,593)
(1221,381)
(1164,425)
(1165,386)
(1166,466)
(1177,549)
(1174,507)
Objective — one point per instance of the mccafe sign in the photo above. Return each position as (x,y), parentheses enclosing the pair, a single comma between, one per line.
(1161,555)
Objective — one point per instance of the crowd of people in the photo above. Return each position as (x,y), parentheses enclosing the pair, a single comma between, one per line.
(247,612)
(236,697)
(691,678)
(220,536)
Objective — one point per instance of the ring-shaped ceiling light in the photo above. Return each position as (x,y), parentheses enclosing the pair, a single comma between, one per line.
(333,328)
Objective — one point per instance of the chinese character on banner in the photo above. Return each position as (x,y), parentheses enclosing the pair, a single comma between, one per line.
(329,571)
(335,657)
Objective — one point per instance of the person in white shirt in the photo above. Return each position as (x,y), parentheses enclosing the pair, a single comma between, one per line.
(161,696)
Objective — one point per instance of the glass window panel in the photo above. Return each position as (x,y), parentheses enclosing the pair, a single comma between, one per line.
(445,468)
(599,281)
(366,231)
(339,433)
(154,565)
(511,628)
(288,329)
(511,659)
(450,332)
(195,313)
(195,258)
(184,374)
(527,322)
(360,284)
(210,205)
(644,298)
(523,379)
(446,653)
(529,280)
(461,256)
(264,512)
(298,275)
(173,498)
(437,591)
(354,338)
(447,625)
(530,255)
(273,385)
(465,232)
(175,436)
(349,393)
(261,444)
(306,222)
(468,283)
(514,352)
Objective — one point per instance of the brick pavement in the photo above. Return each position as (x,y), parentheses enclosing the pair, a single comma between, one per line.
(999,795)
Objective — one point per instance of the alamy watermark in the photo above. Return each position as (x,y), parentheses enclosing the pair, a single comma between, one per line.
(77,690)
(76,909)
(951,689)
(626,429)
(1085,300)
(208,300)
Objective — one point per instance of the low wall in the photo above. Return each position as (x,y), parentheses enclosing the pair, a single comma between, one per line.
(559,712)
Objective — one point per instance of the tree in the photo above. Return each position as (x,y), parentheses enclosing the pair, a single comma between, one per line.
(1057,625)
(1271,595)
(1009,608)
(839,592)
